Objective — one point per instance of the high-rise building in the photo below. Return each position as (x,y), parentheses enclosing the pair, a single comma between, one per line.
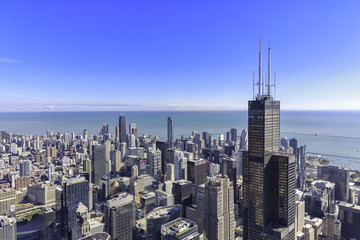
(284,142)
(170,131)
(269,177)
(180,165)
(183,193)
(75,190)
(332,227)
(294,143)
(322,198)
(301,167)
(25,168)
(162,146)
(131,127)
(233,134)
(154,161)
(87,168)
(219,216)
(244,139)
(122,129)
(98,163)
(349,215)
(120,214)
(339,176)
(197,171)
(7,228)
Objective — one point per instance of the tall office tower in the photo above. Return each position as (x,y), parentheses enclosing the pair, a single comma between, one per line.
(162,146)
(322,198)
(339,176)
(131,127)
(180,229)
(135,132)
(180,165)
(301,168)
(207,139)
(98,163)
(85,135)
(105,129)
(7,228)
(331,227)
(115,157)
(154,161)
(233,133)
(158,217)
(349,215)
(269,177)
(122,129)
(170,131)
(294,143)
(25,168)
(244,139)
(170,172)
(117,134)
(219,216)
(75,190)
(197,171)
(120,216)
(183,194)
(228,168)
(87,168)
(284,142)
(299,219)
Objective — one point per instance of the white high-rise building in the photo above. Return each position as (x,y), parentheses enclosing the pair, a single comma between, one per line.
(180,165)
(155,163)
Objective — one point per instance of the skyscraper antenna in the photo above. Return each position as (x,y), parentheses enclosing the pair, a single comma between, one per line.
(260,71)
(269,72)
(253,85)
(274,85)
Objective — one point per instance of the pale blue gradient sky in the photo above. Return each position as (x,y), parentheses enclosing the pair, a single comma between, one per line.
(176,54)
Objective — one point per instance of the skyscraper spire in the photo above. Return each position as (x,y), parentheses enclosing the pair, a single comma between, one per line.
(269,71)
(260,71)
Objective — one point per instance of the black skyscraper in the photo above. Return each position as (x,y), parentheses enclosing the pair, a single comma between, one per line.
(269,177)
(122,129)
(170,131)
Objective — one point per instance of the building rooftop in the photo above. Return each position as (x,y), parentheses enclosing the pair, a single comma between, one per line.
(321,183)
(94,223)
(97,236)
(121,198)
(349,207)
(177,226)
(75,180)
(163,211)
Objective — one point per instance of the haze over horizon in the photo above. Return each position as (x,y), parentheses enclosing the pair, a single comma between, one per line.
(176,55)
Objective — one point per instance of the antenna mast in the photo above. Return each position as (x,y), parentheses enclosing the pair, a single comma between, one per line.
(260,71)
(253,85)
(274,85)
(269,72)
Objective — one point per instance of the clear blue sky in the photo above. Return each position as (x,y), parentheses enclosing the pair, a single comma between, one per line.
(177,54)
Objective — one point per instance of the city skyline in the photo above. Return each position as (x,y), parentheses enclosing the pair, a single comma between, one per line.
(152,56)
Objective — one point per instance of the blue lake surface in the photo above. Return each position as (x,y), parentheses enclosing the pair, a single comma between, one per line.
(327,132)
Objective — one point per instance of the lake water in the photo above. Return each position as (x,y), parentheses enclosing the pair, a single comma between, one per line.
(327,132)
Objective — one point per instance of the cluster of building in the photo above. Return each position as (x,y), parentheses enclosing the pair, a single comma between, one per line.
(125,186)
